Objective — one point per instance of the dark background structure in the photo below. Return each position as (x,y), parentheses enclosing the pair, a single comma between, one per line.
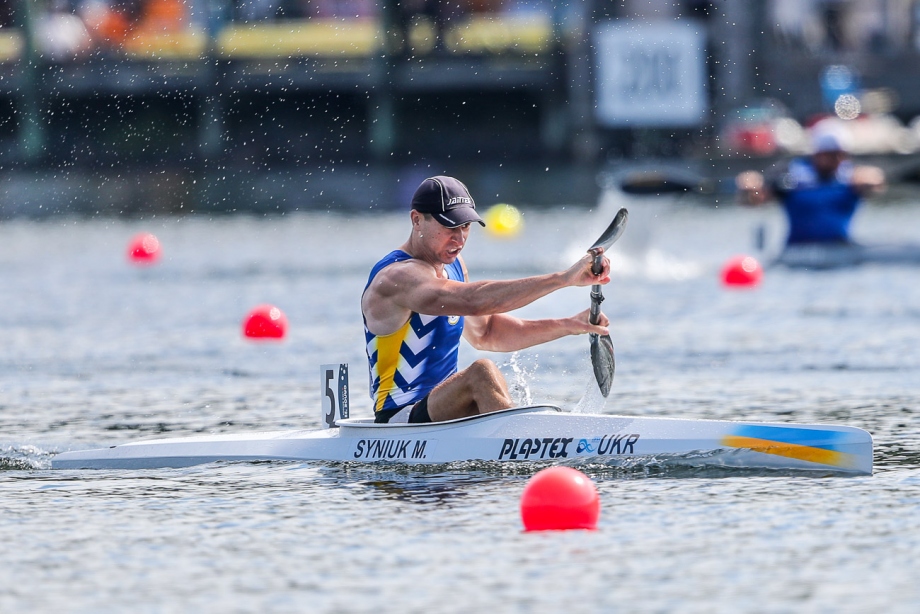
(274,105)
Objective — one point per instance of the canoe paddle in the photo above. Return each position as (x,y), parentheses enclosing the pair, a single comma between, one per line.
(601,346)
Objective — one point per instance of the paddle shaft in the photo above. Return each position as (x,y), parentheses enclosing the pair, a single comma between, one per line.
(597,297)
(602,359)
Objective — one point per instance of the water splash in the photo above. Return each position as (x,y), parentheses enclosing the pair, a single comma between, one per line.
(522,375)
(635,254)
(592,401)
(24,458)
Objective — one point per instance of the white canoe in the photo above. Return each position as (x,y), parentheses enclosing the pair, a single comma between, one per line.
(839,255)
(538,433)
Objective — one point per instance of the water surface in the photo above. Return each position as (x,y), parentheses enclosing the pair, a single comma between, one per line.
(96,352)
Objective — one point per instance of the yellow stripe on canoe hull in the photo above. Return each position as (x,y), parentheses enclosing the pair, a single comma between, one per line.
(791,450)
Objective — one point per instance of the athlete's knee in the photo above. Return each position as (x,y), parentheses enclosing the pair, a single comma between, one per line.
(484,369)
(488,377)
(489,389)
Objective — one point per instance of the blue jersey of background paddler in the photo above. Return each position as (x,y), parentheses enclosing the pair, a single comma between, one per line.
(407,364)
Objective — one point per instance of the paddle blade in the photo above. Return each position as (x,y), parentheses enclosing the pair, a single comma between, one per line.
(603,362)
(613,232)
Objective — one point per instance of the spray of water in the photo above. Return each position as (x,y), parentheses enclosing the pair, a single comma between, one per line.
(592,401)
(521,376)
(635,253)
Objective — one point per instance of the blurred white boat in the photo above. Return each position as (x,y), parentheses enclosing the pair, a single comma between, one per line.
(839,255)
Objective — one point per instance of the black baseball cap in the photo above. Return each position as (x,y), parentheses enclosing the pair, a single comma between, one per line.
(448,200)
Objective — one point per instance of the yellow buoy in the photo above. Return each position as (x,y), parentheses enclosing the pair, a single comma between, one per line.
(503,220)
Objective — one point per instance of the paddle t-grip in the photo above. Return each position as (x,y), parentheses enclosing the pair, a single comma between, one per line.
(598,265)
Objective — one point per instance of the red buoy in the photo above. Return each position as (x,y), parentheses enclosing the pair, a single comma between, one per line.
(742,271)
(144,249)
(265,322)
(560,498)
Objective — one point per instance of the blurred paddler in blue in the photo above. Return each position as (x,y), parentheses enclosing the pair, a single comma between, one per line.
(819,193)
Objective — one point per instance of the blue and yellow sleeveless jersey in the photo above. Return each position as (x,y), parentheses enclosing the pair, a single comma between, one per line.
(818,211)
(406,365)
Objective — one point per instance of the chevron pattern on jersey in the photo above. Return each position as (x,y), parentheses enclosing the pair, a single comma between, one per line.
(404,366)
(398,361)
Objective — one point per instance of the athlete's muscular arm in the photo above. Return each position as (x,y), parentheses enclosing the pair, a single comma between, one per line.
(502,332)
(753,188)
(413,285)
(506,333)
(868,180)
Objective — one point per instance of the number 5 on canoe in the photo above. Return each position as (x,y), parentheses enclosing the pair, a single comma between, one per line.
(333,383)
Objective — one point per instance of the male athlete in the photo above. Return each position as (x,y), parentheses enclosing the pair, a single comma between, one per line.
(819,194)
(418,303)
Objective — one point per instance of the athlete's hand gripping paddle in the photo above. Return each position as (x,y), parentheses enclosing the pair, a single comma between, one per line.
(601,346)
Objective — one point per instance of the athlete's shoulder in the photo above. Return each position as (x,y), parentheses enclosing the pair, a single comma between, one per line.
(402,273)
(844,172)
(394,257)
(798,173)
(397,255)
